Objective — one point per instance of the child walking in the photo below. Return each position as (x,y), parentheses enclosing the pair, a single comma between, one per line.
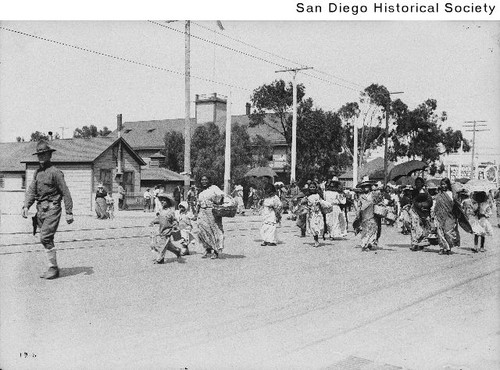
(271,215)
(481,226)
(167,226)
(185,226)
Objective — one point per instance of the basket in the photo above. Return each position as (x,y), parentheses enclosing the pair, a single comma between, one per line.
(380,210)
(326,207)
(224,210)
(391,216)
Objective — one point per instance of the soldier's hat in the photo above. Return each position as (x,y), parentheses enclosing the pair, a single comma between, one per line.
(43,147)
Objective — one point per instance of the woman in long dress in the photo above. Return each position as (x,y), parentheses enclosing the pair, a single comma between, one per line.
(314,224)
(445,219)
(100,202)
(211,231)
(271,215)
(333,219)
(420,213)
(366,216)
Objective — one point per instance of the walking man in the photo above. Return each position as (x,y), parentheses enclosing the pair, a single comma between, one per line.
(48,189)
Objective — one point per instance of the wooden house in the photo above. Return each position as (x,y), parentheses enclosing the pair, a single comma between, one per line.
(84,162)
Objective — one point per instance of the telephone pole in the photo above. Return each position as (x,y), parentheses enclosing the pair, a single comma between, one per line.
(474,125)
(387,108)
(187,107)
(294,120)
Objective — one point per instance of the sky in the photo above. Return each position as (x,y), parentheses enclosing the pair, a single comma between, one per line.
(56,86)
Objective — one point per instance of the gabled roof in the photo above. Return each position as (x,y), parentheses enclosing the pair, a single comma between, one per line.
(150,134)
(160,174)
(13,155)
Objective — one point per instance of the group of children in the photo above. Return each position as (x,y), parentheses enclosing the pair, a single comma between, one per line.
(173,225)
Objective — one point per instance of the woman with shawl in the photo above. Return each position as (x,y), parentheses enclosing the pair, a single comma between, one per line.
(211,232)
(445,219)
(271,215)
(420,214)
(100,202)
(366,217)
(314,224)
(336,198)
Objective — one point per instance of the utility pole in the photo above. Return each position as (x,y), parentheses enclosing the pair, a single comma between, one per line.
(294,120)
(387,108)
(187,107)
(227,154)
(473,125)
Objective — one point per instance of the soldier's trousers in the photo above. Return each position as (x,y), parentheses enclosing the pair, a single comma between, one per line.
(48,217)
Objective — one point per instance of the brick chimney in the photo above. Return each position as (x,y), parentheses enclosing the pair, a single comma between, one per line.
(119,124)
(248,106)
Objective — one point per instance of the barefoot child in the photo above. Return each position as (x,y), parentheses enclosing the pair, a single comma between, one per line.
(167,226)
(185,226)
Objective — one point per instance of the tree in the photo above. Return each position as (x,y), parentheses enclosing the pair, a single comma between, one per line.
(19,139)
(174,151)
(418,133)
(277,99)
(320,144)
(208,152)
(87,132)
(262,151)
(37,136)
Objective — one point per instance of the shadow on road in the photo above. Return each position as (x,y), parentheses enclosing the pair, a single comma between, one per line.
(224,256)
(69,271)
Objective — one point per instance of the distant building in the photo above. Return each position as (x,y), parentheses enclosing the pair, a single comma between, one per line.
(147,137)
(84,162)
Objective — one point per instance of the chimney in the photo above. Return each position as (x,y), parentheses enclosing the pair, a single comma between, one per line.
(119,125)
(50,136)
(248,106)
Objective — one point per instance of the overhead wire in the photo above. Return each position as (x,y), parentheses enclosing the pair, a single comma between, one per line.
(119,58)
(274,54)
(251,55)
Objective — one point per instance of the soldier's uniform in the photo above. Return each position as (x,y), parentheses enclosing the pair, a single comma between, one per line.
(48,189)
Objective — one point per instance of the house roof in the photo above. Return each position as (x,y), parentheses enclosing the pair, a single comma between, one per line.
(150,134)
(13,155)
(160,174)
(373,169)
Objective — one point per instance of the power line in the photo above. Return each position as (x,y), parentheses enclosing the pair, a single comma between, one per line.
(250,55)
(119,58)
(273,54)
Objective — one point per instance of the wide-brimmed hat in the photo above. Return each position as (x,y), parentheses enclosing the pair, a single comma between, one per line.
(366,182)
(183,204)
(43,147)
(166,196)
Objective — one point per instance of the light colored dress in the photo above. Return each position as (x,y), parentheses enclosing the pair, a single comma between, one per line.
(315,224)
(479,219)
(271,215)
(334,225)
(211,232)
(369,227)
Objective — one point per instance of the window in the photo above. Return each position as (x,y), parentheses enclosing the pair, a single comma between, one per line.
(105,178)
(23,182)
(2,183)
(128,181)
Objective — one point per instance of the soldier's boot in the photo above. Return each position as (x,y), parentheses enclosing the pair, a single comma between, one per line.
(53,270)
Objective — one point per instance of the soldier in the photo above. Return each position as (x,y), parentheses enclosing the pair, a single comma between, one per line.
(48,189)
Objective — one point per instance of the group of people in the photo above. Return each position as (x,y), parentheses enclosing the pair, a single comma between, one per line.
(428,214)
